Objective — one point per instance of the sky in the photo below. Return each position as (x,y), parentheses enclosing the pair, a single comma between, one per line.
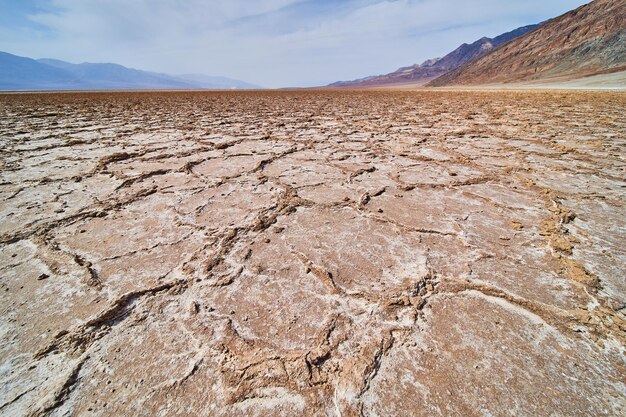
(272,43)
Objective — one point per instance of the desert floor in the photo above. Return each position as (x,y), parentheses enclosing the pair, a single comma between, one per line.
(324,253)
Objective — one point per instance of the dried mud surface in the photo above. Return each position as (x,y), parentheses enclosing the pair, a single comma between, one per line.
(313,253)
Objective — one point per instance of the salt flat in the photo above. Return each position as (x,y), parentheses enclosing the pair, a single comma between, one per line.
(313,253)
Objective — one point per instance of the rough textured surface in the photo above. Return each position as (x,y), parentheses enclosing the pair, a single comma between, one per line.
(587,41)
(313,253)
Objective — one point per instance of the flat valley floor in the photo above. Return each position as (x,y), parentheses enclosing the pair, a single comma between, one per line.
(318,253)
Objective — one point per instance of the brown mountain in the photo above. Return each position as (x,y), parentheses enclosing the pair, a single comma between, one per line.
(433,68)
(586,41)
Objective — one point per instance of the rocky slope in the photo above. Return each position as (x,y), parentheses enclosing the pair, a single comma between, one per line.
(583,42)
(312,253)
(433,68)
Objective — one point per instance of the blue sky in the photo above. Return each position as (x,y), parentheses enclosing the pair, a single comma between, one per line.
(274,43)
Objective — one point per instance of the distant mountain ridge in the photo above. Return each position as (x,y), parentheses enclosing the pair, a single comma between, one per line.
(587,41)
(206,81)
(434,68)
(21,73)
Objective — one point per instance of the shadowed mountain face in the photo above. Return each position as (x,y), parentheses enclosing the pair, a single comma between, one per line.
(20,73)
(113,76)
(433,68)
(583,42)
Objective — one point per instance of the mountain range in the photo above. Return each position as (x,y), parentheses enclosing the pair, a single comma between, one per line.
(585,46)
(420,74)
(585,42)
(20,73)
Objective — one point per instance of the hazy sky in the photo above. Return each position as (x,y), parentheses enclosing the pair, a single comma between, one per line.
(274,43)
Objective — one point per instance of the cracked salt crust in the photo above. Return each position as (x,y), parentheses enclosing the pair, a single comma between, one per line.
(312,253)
